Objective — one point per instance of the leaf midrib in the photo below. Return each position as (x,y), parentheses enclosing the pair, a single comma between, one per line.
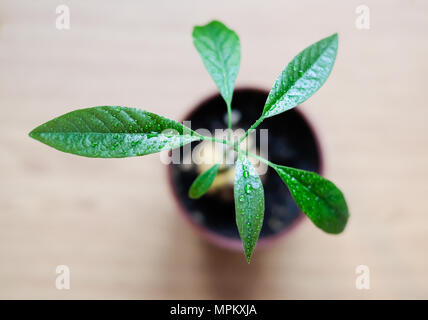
(303,74)
(115,133)
(312,191)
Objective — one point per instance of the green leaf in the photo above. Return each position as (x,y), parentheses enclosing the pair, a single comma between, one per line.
(220,51)
(203,182)
(317,197)
(249,203)
(112,132)
(302,77)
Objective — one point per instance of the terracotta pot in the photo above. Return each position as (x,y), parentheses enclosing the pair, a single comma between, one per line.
(292,142)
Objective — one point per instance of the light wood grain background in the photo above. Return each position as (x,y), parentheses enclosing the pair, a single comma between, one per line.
(114,223)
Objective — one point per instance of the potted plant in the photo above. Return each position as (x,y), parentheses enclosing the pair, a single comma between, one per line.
(117,132)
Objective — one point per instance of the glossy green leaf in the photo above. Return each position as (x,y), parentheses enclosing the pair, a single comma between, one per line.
(317,197)
(112,132)
(249,203)
(203,182)
(220,50)
(302,77)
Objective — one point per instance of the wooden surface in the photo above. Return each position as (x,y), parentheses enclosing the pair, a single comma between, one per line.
(114,223)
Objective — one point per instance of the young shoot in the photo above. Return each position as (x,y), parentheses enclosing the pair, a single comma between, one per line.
(118,132)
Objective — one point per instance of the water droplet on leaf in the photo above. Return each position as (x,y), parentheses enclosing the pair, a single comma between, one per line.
(247,188)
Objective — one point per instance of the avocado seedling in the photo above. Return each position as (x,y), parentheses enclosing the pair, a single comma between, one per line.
(118,132)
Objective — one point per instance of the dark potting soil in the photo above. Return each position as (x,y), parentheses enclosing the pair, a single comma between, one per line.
(291,143)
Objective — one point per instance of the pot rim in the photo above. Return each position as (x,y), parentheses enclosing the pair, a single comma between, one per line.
(223,241)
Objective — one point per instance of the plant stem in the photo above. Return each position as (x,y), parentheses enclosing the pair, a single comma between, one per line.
(252,128)
(229,127)
(236,148)
(273,165)
(229,120)
(226,142)
(215,140)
